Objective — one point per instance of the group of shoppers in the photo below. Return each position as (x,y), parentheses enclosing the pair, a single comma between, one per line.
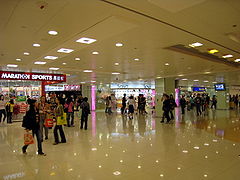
(59,110)
(6,109)
(201,102)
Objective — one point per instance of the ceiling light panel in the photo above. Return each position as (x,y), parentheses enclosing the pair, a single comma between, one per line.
(237,60)
(86,40)
(77,59)
(212,51)
(26,53)
(119,44)
(12,65)
(116,73)
(40,62)
(95,53)
(36,45)
(18,59)
(53,68)
(65,50)
(196,44)
(87,71)
(51,57)
(227,56)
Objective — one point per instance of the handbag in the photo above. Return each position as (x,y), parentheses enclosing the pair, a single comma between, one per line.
(62,120)
(49,123)
(28,138)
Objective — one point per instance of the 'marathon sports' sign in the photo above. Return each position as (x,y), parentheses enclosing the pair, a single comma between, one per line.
(8,75)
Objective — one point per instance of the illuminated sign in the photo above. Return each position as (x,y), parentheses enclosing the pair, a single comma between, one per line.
(219,87)
(8,75)
(72,87)
(199,89)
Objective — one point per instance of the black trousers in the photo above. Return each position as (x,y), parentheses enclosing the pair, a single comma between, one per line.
(166,115)
(198,107)
(9,117)
(84,120)
(183,109)
(171,114)
(39,140)
(215,105)
(123,109)
(2,112)
(55,132)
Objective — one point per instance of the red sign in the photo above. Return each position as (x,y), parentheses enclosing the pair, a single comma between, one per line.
(8,75)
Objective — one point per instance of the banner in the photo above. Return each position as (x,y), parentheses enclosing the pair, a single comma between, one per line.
(8,75)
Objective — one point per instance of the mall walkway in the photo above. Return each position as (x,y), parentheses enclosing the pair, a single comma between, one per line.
(191,147)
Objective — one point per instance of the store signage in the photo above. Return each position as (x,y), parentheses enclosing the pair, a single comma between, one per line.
(8,75)
(54,88)
(72,87)
(132,86)
(199,89)
(220,87)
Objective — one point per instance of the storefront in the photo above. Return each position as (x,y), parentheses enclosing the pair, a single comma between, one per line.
(20,85)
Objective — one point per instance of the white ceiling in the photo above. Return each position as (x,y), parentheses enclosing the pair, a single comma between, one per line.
(145,28)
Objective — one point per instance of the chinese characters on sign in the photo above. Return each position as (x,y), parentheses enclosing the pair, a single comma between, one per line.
(8,75)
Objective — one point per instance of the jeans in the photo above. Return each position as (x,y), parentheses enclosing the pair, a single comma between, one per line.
(70,115)
(55,132)
(84,120)
(39,141)
(9,117)
(2,112)
(42,126)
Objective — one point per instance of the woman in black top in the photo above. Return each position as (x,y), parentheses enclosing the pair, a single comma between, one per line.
(31,122)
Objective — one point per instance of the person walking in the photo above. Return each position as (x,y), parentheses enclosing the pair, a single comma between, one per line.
(69,109)
(131,105)
(166,108)
(124,104)
(198,102)
(59,114)
(2,109)
(172,106)
(183,103)
(31,123)
(214,102)
(43,109)
(85,112)
(9,110)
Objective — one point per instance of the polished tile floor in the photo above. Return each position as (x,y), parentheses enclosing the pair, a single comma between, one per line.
(114,147)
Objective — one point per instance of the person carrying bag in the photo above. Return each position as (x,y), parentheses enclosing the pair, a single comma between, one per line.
(31,123)
(60,120)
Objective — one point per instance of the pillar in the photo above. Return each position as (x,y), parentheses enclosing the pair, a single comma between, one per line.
(89,91)
(222,99)
(163,85)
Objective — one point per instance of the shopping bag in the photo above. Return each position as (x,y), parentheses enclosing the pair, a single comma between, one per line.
(28,138)
(62,120)
(48,123)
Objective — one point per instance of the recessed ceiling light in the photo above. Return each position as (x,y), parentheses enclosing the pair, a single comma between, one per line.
(36,45)
(53,68)
(77,59)
(196,44)
(212,51)
(12,65)
(64,63)
(214,82)
(206,81)
(115,73)
(207,72)
(184,79)
(18,59)
(40,62)
(136,59)
(196,80)
(119,44)
(52,32)
(26,53)
(167,64)
(85,40)
(87,71)
(50,57)
(116,64)
(237,60)
(180,75)
(65,50)
(227,56)
(95,53)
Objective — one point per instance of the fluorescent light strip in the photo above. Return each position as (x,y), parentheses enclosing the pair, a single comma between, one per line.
(40,62)
(53,68)
(227,56)
(53,32)
(51,57)
(12,65)
(115,73)
(196,44)
(87,71)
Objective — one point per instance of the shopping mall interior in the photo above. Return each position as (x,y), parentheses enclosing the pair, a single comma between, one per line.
(103,49)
